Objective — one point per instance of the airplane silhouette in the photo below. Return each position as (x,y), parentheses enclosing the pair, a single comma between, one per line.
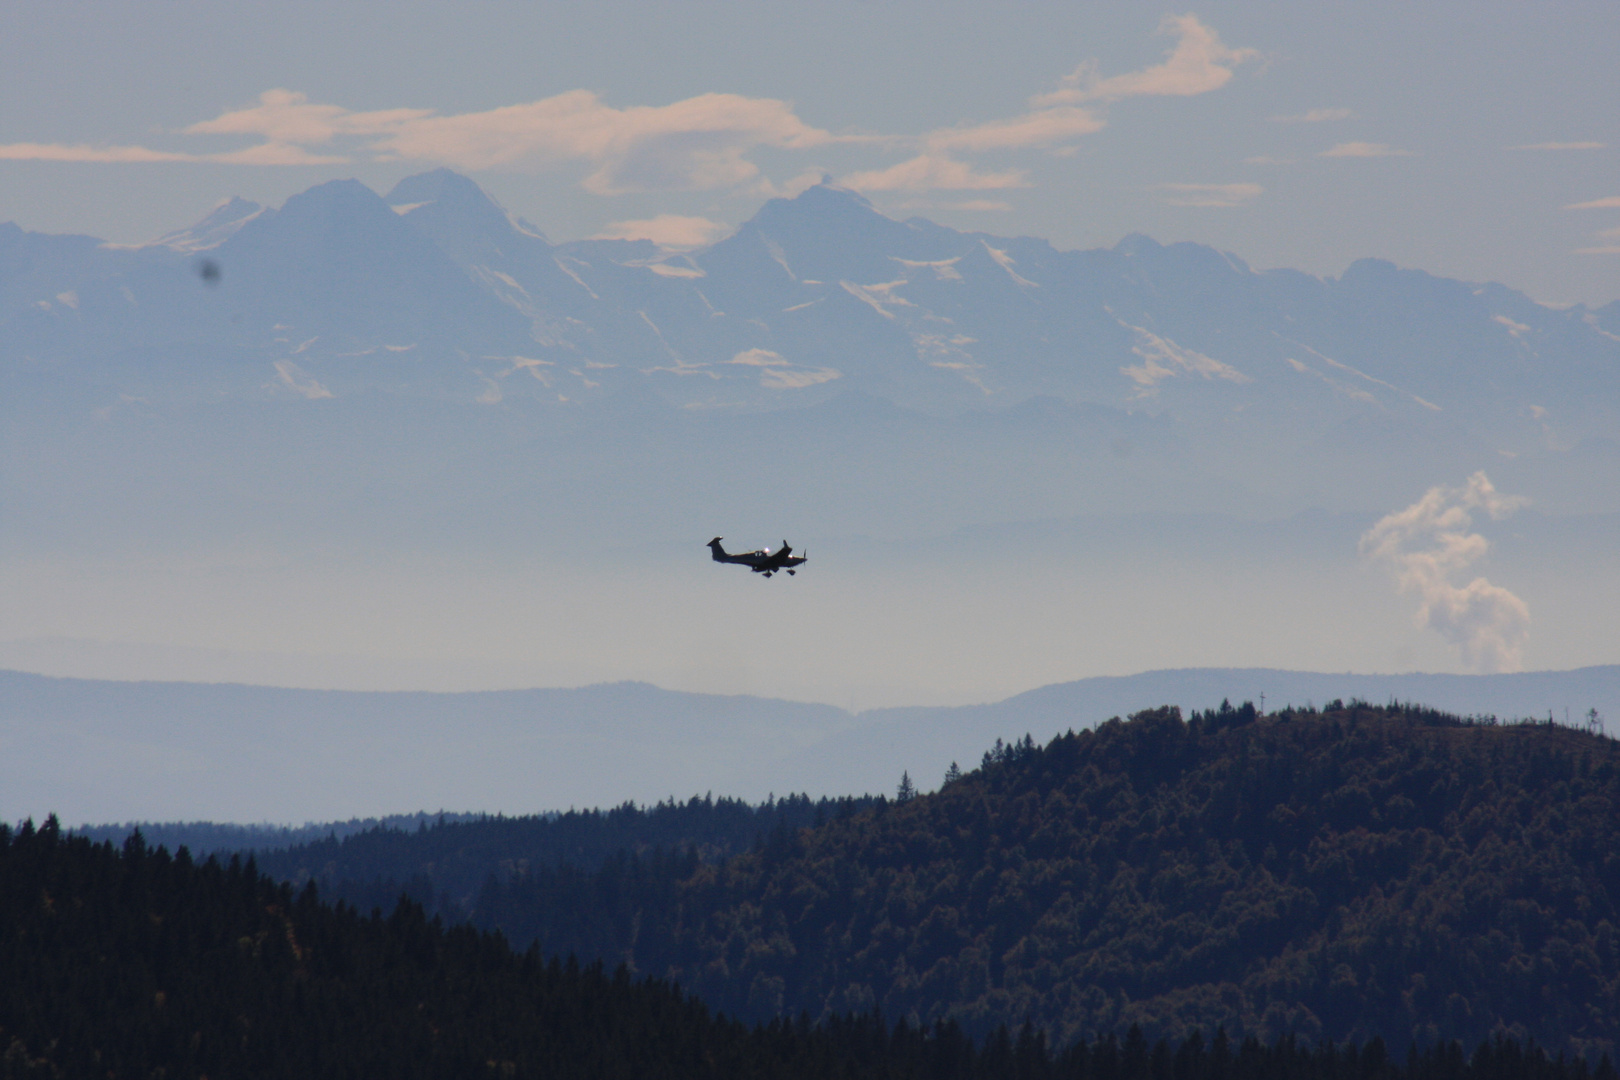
(760,562)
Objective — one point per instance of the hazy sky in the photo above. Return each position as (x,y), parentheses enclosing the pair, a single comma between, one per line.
(1474,140)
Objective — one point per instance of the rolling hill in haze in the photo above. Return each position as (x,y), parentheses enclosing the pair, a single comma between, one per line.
(96,751)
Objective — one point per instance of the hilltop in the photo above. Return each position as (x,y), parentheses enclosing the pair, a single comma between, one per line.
(1342,874)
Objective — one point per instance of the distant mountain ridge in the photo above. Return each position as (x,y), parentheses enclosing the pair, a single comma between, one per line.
(874,376)
(102,751)
(813,290)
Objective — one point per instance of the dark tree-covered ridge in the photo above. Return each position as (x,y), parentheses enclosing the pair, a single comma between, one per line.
(134,964)
(1355,873)
(444,863)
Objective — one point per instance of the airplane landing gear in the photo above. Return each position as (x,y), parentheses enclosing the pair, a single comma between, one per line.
(790,573)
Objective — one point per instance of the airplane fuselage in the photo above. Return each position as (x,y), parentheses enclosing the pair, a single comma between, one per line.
(761,561)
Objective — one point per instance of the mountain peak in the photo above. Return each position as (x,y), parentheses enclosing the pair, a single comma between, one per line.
(1138,244)
(434,186)
(456,205)
(824,200)
(215,227)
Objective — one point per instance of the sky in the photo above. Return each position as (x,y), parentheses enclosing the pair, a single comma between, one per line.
(1476,140)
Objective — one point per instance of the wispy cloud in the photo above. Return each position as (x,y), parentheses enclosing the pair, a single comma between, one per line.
(29,151)
(1612,247)
(1608,202)
(1427,544)
(1366,150)
(1208,194)
(1314,116)
(1044,127)
(934,172)
(666,230)
(299,381)
(701,143)
(1198,63)
(1559,146)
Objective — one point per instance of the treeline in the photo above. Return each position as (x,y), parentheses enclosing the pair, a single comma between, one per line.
(134,963)
(443,863)
(206,837)
(1359,873)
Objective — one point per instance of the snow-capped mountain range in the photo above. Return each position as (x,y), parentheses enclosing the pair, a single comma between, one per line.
(436,284)
(1010,379)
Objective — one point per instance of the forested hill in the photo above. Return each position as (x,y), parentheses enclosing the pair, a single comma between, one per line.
(1342,874)
(138,964)
(444,863)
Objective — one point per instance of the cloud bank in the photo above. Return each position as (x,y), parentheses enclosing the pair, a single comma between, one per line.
(1429,542)
(666,230)
(701,143)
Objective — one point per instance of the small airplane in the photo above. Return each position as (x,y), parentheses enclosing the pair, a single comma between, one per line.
(760,562)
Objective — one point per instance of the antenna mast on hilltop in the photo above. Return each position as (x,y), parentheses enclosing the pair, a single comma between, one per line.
(1262,703)
(1594,722)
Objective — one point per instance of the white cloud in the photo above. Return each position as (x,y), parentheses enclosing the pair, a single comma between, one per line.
(933,172)
(666,230)
(1314,116)
(1043,127)
(287,117)
(1426,544)
(1208,194)
(1612,248)
(697,144)
(1365,150)
(1198,63)
(1608,202)
(82,153)
(1559,146)
(276,154)
(299,381)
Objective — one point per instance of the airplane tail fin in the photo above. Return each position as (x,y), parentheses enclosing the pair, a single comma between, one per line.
(716,550)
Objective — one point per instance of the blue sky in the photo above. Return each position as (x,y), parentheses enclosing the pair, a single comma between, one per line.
(1473,140)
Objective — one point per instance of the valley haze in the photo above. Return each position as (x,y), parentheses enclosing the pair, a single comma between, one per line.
(104,752)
